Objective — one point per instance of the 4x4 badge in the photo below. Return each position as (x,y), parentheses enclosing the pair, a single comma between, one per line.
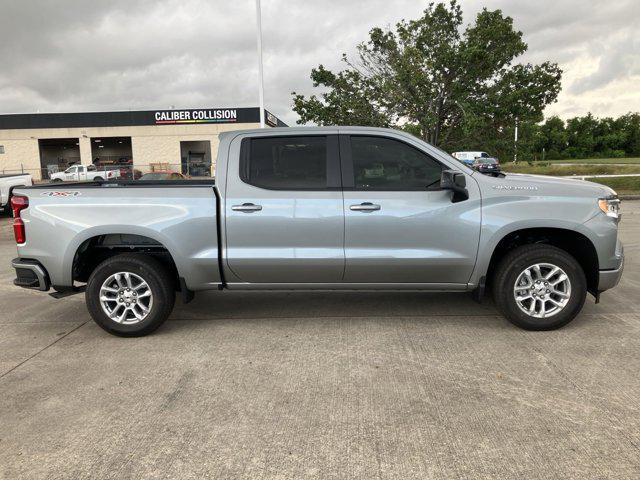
(69,193)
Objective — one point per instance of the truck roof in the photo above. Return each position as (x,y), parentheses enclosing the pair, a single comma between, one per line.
(311,130)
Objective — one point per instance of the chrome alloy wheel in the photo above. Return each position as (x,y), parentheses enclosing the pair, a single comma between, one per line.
(126,298)
(542,290)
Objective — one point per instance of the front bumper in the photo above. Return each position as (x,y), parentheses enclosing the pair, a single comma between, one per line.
(30,274)
(610,278)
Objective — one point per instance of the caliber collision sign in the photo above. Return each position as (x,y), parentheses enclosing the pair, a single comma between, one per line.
(217,115)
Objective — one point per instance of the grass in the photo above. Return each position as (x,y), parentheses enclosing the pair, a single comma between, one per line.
(630,160)
(565,170)
(622,185)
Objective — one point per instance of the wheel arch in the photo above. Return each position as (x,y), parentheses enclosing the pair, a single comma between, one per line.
(575,243)
(95,247)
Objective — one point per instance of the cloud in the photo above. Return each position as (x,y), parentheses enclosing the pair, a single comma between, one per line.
(74,55)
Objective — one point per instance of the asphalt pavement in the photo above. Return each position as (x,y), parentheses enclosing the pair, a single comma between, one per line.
(321,385)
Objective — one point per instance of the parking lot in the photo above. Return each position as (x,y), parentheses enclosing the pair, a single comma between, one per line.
(321,385)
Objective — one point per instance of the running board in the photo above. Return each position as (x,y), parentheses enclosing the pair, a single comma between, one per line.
(68,292)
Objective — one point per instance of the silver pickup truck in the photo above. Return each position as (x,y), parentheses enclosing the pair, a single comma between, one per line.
(322,209)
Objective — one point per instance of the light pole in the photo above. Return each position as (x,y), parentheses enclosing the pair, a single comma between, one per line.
(260,76)
(515,144)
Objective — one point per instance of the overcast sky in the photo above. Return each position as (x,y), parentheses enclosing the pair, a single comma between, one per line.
(79,55)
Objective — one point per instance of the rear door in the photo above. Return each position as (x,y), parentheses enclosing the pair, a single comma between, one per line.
(400,227)
(284,210)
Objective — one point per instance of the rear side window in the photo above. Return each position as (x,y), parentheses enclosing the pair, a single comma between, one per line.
(285,163)
(1,149)
(381,163)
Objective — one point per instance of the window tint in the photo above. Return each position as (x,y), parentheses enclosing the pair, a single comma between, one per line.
(484,155)
(387,164)
(286,163)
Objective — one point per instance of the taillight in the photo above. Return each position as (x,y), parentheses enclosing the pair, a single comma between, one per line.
(19,203)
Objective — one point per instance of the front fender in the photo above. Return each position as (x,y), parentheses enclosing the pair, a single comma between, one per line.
(503,215)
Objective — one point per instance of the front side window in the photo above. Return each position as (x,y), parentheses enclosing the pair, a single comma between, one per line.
(386,164)
(286,163)
(70,170)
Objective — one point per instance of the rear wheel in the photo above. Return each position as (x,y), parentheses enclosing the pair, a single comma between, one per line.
(98,179)
(539,287)
(130,295)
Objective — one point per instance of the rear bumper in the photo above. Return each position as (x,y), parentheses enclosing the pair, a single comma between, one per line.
(30,274)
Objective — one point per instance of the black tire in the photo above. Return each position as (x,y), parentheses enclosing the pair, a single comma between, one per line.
(521,258)
(56,180)
(151,271)
(98,179)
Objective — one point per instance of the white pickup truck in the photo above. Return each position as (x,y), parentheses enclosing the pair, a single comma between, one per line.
(79,173)
(8,183)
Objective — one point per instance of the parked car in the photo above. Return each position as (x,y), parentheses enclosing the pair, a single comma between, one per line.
(164,175)
(8,183)
(84,173)
(489,166)
(469,157)
(330,208)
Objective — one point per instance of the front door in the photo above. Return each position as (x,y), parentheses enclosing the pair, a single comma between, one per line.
(71,174)
(400,227)
(284,211)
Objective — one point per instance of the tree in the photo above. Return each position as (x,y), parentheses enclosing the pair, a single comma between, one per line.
(552,137)
(433,76)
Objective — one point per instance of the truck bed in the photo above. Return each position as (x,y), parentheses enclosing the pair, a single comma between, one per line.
(179,216)
(7,175)
(123,183)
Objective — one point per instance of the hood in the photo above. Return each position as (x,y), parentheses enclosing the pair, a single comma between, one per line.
(544,184)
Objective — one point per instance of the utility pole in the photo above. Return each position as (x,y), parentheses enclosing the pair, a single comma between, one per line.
(260,76)
(515,144)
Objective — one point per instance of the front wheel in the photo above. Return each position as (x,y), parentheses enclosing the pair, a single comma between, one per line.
(539,287)
(130,295)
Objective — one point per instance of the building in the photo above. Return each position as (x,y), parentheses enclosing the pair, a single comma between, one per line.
(181,140)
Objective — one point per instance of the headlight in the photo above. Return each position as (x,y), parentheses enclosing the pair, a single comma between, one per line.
(610,206)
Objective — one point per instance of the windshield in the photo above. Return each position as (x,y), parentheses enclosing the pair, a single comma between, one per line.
(485,161)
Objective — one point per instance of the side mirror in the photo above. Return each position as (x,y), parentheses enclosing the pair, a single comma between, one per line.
(456,181)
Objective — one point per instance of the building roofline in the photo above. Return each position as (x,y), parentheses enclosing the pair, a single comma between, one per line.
(129,118)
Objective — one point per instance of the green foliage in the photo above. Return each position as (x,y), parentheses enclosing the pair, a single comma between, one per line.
(588,137)
(455,86)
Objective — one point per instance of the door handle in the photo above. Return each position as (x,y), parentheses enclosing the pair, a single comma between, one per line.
(247,208)
(365,207)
